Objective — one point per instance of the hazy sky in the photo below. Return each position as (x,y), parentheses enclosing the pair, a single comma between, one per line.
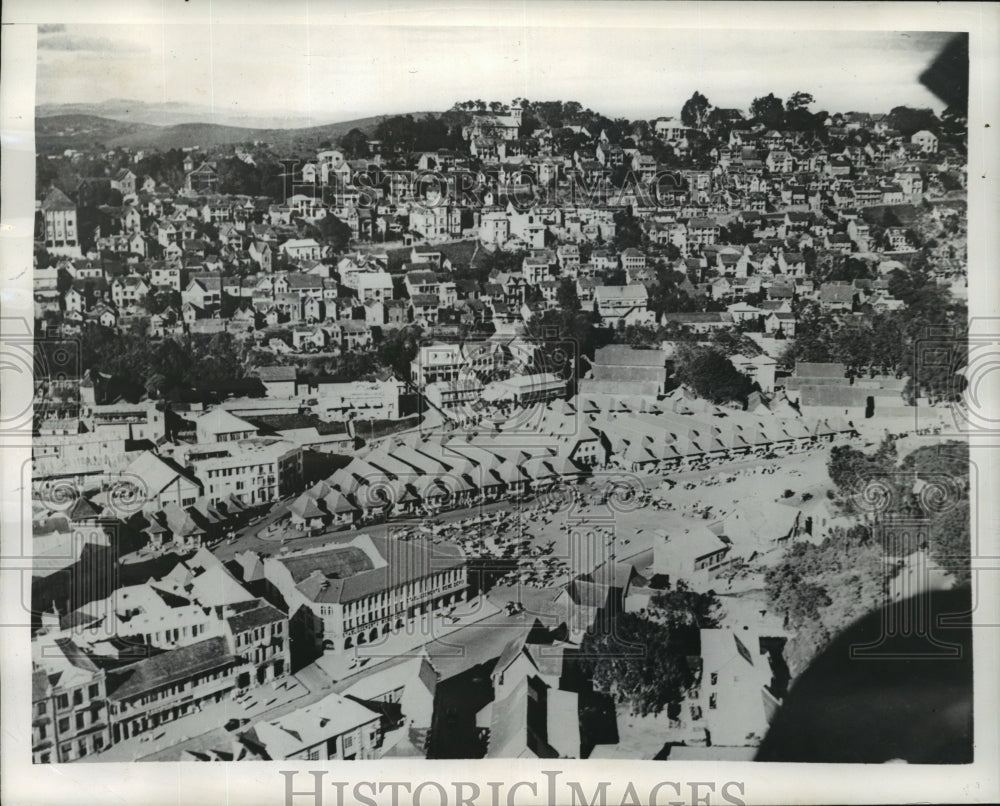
(338,73)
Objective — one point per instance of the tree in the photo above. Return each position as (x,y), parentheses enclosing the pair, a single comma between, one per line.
(628,230)
(798,117)
(571,110)
(355,143)
(694,113)
(640,335)
(681,608)
(529,122)
(950,541)
(731,343)
(850,468)
(399,348)
(566,296)
(798,100)
(565,339)
(239,177)
(334,232)
(641,130)
(642,663)
(359,365)
(909,121)
(710,374)
(799,600)
(615,276)
(768,110)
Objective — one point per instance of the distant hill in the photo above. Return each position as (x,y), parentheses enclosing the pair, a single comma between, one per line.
(83,130)
(171,113)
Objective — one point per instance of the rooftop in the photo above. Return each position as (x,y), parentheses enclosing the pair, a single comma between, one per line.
(315,724)
(169,667)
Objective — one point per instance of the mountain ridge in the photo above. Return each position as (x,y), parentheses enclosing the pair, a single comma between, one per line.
(80,129)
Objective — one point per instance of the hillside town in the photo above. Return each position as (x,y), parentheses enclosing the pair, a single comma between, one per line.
(402,445)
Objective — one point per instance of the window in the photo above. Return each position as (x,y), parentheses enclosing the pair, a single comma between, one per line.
(41,708)
(80,724)
(63,701)
(313,754)
(98,743)
(715,678)
(348,743)
(94,691)
(82,749)
(64,725)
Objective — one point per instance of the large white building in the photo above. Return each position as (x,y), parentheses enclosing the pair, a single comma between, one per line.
(494,227)
(927,141)
(333,728)
(375,285)
(219,425)
(159,481)
(364,399)
(68,701)
(448,362)
(61,234)
(614,302)
(255,471)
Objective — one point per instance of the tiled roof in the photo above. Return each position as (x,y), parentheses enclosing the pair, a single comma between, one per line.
(261,614)
(275,373)
(169,667)
(57,200)
(352,573)
(805,369)
(621,355)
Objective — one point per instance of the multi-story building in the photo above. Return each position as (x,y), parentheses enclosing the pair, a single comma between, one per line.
(333,728)
(526,390)
(927,141)
(158,481)
(219,425)
(59,216)
(69,718)
(633,259)
(358,590)
(613,302)
(127,291)
(169,685)
(370,399)
(494,227)
(375,285)
(257,633)
(568,255)
(255,471)
(536,270)
(447,362)
(435,221)
(122,420)
(702,231)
